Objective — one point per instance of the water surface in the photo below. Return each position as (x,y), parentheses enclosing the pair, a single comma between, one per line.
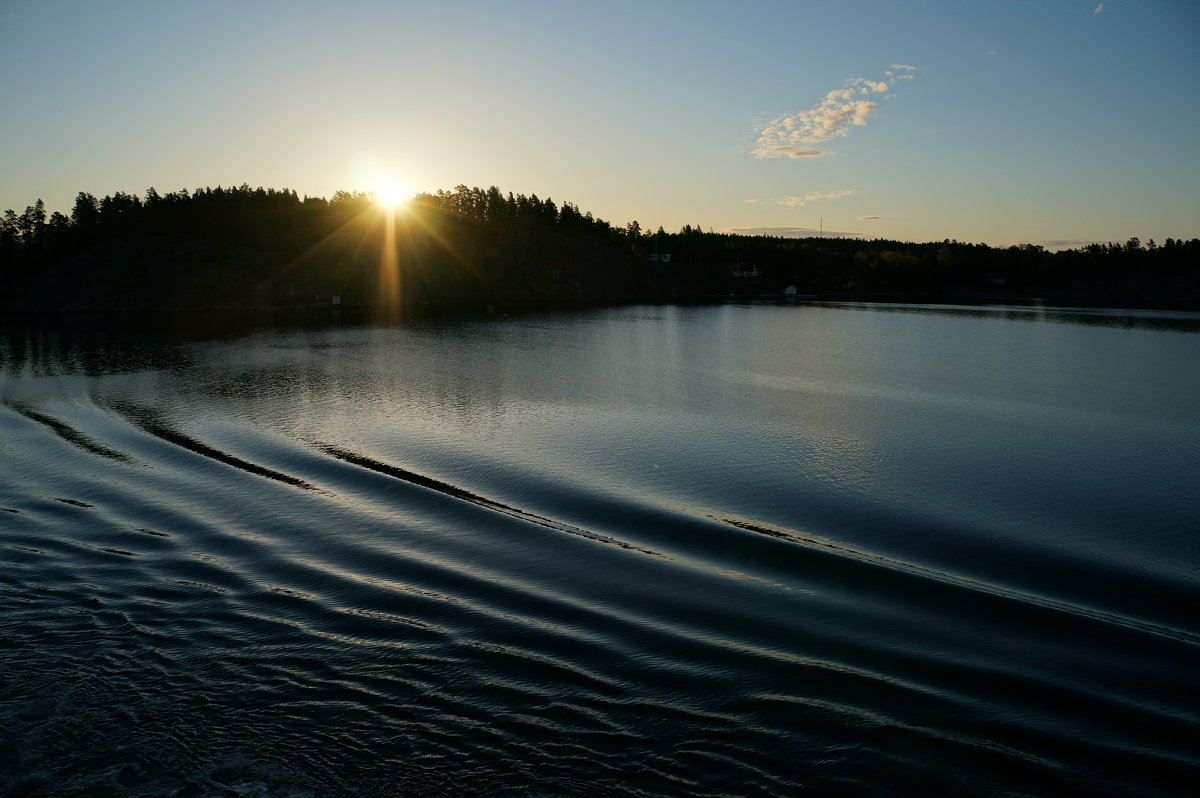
(652,551)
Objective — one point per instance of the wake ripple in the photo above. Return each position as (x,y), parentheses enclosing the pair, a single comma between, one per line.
(456,492)
(152,422)
(300,618)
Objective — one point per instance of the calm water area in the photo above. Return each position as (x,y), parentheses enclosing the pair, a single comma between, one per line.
(733,550)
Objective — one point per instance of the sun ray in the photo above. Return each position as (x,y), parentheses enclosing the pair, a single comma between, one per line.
(389,267)
(368,223)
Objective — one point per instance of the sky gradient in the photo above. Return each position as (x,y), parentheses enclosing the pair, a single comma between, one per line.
(1054,122)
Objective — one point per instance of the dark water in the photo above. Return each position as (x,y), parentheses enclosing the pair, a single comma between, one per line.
(722,551)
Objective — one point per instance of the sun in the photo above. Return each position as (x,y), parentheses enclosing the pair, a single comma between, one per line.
(390,194)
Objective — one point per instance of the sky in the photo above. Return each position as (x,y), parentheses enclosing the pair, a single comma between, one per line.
(1052,122)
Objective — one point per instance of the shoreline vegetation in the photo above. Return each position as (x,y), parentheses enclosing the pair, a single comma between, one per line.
(472,249)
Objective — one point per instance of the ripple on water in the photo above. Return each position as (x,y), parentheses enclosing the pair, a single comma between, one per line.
(374,574)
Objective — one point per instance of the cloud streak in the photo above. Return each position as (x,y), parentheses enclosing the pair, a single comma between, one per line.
(787,151)
(812,196)
(1055,244)
(838,112)
(868,218)
(792,232)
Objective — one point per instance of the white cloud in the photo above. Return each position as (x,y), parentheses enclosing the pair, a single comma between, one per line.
(1099,9)
(795,202)
(831,118)
(868,86)
(839,111)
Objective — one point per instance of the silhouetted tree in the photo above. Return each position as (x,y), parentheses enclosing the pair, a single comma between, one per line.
(243,246)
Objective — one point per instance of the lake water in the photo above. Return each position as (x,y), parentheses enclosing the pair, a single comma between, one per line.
(734,550)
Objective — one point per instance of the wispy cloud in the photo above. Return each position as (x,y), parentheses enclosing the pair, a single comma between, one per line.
(868,218)
(1055,244)
(788,151)
(812,196)
(840,110)
(900,72)
(792,232)
(1099,9)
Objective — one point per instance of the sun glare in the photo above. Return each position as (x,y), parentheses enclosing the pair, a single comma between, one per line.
(389,195)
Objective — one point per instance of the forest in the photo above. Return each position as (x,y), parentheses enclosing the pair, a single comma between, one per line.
(252,248)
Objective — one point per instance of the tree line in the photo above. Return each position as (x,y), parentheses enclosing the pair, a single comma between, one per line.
(243,247)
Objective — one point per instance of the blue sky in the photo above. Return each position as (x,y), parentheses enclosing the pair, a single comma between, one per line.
(1055,122)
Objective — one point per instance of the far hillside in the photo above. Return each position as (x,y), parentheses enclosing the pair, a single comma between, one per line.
(247,248)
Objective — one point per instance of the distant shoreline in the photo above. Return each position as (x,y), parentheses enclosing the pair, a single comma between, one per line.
(473,250)
(1048,300)
(268,317)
